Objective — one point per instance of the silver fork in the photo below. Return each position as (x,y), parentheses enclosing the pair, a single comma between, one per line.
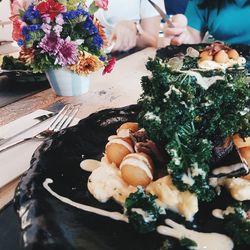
(61,121)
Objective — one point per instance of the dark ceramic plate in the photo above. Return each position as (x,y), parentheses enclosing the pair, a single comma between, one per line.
(48,223)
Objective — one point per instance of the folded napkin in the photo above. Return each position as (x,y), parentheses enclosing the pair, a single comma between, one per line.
(16,160)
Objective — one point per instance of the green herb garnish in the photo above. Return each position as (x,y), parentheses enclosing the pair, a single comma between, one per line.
(142,210)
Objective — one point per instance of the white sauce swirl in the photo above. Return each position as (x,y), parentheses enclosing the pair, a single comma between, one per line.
(208,241)
(112,215)
(90,165)
(204,241)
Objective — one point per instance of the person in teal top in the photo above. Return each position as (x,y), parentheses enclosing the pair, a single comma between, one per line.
(225,20)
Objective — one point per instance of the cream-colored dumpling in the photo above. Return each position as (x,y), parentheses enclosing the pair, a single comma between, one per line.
(117,149)
(105,183)
(137,169)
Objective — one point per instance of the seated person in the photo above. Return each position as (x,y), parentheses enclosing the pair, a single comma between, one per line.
(225,20)
(175,7)
(131,24)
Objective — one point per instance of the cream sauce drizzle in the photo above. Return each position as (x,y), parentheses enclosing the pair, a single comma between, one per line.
(208,241)
(218,213)
(90,165)
(230,169)
(112,215)
(121,142)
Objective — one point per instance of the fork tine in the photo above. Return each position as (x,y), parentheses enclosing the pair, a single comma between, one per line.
(58,117)
(62,118)
(70,117)
(66,118)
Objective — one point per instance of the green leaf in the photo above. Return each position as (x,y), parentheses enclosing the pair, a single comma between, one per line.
(93,8)
(188,243)
(142,210)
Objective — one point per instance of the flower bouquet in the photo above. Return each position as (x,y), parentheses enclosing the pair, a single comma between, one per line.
(61,34)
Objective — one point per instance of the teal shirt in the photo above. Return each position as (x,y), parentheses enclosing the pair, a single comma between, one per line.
(231,24)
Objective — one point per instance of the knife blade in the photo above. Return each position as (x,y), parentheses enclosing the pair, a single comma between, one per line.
(40,119)
(164,16)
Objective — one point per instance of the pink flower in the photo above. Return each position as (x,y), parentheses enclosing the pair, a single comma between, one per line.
(102,4)
(46,28)
(57,29)
(109,67)
(59,19)
(67,53)
(18,5)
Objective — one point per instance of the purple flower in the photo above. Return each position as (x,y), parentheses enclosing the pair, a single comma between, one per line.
(50,44)
(30,14)
(97,41)
(67,53)
(46,28)
(89,25)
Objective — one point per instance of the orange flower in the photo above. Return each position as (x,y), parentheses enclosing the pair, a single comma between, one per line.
(26,55)
(86,64)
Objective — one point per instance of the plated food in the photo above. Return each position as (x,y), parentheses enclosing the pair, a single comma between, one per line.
(16,70)
(174,167)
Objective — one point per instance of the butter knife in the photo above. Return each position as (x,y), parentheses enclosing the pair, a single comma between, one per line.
(40,119)
(165,17)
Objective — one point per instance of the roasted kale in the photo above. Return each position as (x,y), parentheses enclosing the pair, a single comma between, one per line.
(189,119)
(237,225)
(142,210)
(188,169)
(189,63)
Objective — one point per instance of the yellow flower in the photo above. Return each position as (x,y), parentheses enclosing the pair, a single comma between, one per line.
(86,64)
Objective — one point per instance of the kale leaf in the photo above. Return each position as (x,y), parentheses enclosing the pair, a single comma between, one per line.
(237,225)
(142,210)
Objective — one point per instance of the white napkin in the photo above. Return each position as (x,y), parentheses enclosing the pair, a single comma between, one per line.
(16,160)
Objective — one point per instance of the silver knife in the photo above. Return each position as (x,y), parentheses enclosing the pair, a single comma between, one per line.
(40,119)
(164,16)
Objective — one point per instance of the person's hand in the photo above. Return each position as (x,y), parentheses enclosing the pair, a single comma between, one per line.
(177,34)
(124,36)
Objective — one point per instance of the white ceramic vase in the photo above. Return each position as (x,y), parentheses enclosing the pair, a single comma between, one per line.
(67,83)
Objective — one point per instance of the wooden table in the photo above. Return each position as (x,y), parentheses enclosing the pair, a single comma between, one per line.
(120,88)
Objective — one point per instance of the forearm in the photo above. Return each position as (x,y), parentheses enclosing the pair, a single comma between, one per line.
(148,33)
(146,40)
